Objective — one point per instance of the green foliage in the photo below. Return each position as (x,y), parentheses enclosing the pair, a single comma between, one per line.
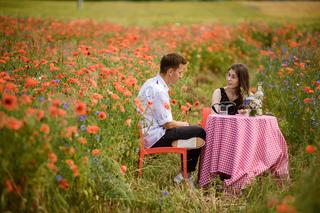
(57,171)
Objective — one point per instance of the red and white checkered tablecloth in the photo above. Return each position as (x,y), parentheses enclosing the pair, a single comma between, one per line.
(242,147)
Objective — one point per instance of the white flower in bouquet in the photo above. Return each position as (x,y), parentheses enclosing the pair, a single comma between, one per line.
(252,103)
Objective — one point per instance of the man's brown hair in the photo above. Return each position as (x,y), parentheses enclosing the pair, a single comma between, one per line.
(172,60)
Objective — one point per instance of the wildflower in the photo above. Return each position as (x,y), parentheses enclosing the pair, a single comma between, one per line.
(167,106)
(52,167)
(102,116)
(42,99)
(82,140)
(308,90)
(184,109)
(310,149)
(53,67)
(63,184)
(58,178)
(173,102)
(138,105)
(96,152)
(307,100)
(54,111)
(83,127)
(128,122)
(85,160)
(13,123)
(196,104)
(30,82)
(25,99)
(188,105)
(92,129)
(56,102)
(52,157)
(70,163)
(72,151)
(71,131)
(82,118)
(40,114)
(149,104)
(123,169)
(165,193)
(9,101)
(9,185)
(80,108)
(45,128)
(115,96)
(285,208)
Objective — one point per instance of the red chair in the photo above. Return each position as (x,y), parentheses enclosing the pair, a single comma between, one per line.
(206,111)
(161,150)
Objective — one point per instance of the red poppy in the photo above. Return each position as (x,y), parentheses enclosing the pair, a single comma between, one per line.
(9,185)
(45,128)
(9,101)
(123,169)
(310,149)
(92,129)
(307,100)
(102,115)
(115,96)
(196,104)
(96,152)
(80,108)
(149,104)
(13,123)
(82,140)
(30,82)
(63,184)
(285,208)
(128,122)
(167,106)
(52,157)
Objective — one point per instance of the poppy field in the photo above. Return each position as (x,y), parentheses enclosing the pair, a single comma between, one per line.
(69,112)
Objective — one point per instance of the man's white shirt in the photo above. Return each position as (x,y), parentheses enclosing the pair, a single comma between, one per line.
(156,114)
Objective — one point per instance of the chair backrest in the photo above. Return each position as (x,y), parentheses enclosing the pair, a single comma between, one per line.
(206,111)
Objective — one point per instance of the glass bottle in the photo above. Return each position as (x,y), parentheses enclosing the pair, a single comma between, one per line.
(259,95)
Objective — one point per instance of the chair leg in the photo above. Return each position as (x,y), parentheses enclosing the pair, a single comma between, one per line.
(140,164)
(184,162)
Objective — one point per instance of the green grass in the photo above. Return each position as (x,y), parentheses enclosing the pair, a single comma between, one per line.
(156,13)
(155,191)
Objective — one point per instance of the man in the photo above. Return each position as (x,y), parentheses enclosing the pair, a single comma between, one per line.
(159,128)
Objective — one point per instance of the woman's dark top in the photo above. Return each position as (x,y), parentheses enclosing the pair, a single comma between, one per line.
(224,97)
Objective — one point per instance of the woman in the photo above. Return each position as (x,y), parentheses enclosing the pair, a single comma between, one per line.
(237,87)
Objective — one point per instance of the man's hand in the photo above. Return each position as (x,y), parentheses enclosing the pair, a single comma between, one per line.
(175,124)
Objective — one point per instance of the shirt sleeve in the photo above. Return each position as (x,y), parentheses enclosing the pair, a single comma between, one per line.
(162,113)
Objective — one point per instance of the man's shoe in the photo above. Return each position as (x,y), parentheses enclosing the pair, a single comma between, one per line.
(178,179)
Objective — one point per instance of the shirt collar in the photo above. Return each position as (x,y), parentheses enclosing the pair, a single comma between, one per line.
(162,82)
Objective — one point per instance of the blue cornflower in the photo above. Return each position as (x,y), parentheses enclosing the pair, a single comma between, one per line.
(97,112)
(82,118)
(165,193)
(65,106)
(83,127)
(98,138)
(42,99)
(58,178)
(57,81)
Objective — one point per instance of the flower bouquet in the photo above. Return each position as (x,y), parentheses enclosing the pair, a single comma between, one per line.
(253,104)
